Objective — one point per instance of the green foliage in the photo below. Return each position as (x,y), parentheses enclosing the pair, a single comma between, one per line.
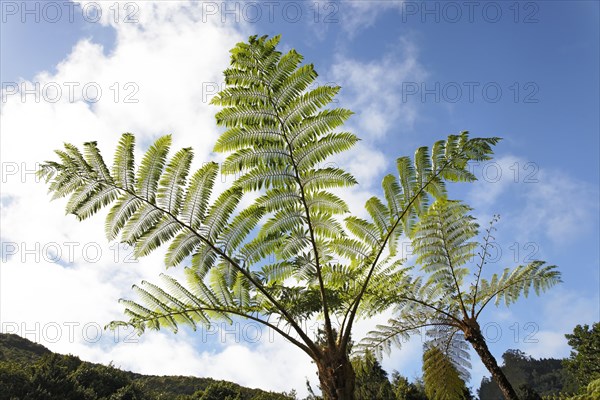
(15,381)
(219,391)
(372,382)
(51,377)
(584,361)
(542,377)
(442,380)
(527,393)
(129,392)
(102,380)
(592,391)
(20,350)
(405,390)
(32,372)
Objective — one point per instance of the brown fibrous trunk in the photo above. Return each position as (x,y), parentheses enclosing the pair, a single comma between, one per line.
(474,336)
(336,375)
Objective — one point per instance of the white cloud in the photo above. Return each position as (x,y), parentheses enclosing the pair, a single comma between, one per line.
(374,89)
(564,308)
(546,204)
(173,62)
(561,206)
(359,15)
(271,364)
(364,162)
(548,344)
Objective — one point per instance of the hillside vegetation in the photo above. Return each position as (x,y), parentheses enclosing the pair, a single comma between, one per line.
(31,371)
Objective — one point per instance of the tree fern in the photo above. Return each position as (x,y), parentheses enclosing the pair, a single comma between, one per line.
(293,253)
(444,243)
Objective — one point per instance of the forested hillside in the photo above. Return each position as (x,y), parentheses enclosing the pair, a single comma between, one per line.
(31,371)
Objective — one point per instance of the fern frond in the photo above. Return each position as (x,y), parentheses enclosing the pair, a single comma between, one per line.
(326,178)
(236,232)
(364,230)
(313,153)
(181,247)
(95,160)
(198,195)
(441,379)
(220,212)
(442,242)
(120,213)
(509,286)
(172,182)
(151,168)
(452,343)
(124,162)
(379,213)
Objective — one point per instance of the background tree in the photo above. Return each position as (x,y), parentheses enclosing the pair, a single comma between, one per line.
(219,391)
(102,380)
(405,390)
(51,378)
(14,381)
(592,391)
(543,376)
(443,243)
(372,381)
(278,137)
(584,361)
(527,393)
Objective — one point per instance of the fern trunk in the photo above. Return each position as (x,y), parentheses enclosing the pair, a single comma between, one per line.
(474,336)
(336,376)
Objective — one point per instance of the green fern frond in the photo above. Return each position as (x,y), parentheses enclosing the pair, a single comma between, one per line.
(452,343)
(172,182)
(124,162)
(442,242)
(151,168)
(511,285)
(198,195)
(441,379)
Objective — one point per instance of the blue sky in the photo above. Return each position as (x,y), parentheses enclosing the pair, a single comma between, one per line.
(408,70)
